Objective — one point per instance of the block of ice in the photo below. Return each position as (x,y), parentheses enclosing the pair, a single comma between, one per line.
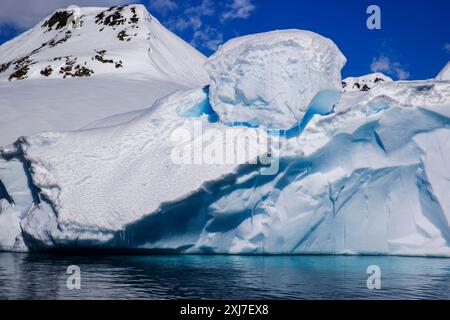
(270,79)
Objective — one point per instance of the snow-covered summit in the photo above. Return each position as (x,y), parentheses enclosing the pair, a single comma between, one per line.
(79,65)
(444,75)
(364,83)
(270,79)
(85,42)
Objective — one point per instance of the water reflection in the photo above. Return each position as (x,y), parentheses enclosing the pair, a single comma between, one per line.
(33,276)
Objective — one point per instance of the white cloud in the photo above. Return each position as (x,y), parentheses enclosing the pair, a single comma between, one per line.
(163,6)
(182,23)
(23,14)
(207,37)
(192,17)
(178,24)
(447,47)
(197,16)
(384,64)
(238,9)
(206,8)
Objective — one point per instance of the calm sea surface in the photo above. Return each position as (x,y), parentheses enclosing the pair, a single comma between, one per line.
(36,276)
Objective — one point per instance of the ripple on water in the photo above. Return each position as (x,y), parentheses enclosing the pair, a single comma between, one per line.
(34,276)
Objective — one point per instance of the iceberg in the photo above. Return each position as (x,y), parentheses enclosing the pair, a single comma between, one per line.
(366,174)
(270,79)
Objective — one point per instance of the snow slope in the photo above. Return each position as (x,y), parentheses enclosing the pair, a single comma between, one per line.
(370,177)
(31,106)
(60,77)
(105,41)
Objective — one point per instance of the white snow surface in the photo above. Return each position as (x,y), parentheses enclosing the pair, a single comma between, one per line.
(444,75)
(270,79)
(33,106)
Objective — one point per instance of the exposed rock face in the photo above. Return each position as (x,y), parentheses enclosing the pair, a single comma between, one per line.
(364,83)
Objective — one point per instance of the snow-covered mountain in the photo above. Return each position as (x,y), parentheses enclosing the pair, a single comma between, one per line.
(84,42)
(79,65)
(363,83)
(367,176)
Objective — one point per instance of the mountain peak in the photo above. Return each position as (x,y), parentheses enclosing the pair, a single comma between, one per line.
(84,42)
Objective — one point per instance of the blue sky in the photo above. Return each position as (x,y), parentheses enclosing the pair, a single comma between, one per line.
(413,43)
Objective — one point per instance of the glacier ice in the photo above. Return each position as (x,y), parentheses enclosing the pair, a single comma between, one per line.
(270,79)
(369,176)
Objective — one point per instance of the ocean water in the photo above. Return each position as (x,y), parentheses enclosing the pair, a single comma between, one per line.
(36,276)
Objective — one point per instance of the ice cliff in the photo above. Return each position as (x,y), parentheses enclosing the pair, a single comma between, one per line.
(367,172)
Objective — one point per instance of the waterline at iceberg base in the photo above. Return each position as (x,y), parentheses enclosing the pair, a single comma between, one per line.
(368,172)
